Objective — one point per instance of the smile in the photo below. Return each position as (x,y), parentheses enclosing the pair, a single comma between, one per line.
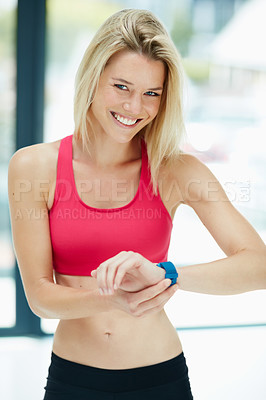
(125,121)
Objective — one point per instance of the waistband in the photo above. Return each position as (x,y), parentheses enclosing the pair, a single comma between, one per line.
(117,380)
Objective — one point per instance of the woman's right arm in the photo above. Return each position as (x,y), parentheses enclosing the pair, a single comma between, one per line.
(33,250)
(32,244)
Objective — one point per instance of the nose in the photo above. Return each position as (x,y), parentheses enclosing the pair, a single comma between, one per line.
(133,104)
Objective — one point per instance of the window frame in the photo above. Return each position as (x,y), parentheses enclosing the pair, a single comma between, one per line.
(30,58)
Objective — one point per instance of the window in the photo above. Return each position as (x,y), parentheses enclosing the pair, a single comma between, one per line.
(225,125)
(7,148)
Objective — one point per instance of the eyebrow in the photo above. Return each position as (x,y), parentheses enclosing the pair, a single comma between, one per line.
(129,83)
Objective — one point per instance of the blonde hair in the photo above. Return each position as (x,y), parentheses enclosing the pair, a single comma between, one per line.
(139,31)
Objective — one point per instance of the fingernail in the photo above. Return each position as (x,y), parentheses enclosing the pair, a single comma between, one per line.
(115,286)
(101,292)
(109,291)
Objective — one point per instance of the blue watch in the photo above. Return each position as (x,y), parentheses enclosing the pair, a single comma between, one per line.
(170,270)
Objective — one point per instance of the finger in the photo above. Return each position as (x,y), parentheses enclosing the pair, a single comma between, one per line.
(94,273)
(157,303)
(110,276)
(163,298)
(127,265)
(115,266)
(101,277)
(152,291)
(107,270)
(151,297)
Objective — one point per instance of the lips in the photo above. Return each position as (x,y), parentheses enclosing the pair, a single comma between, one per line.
(126,122)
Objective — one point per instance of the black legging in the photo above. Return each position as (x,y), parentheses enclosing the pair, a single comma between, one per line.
(166,380)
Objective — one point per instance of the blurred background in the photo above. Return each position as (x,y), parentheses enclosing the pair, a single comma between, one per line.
(222,43)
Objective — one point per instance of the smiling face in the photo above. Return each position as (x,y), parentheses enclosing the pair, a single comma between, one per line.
(128,95)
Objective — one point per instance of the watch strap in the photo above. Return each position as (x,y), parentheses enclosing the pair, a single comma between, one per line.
(170,271)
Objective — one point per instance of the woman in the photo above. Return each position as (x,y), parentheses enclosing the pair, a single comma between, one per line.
(90,253)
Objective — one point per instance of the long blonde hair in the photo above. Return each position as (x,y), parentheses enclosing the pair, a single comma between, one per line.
(139,31)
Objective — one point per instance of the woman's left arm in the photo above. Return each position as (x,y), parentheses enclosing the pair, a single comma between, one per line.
(244,268)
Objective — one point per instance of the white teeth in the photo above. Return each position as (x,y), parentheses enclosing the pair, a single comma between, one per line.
(125,121)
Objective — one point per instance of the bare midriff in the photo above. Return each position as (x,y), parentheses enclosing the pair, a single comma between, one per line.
(114,339)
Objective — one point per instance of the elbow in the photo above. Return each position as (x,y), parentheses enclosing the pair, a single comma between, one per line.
(260,268)
(38,301)
(39,310)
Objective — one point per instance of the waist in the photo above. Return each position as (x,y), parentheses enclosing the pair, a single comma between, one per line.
(115,340)
(119,380)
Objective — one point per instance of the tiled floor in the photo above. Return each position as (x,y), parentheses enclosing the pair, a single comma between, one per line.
(224,364)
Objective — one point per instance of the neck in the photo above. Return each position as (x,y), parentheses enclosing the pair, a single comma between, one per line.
(107,152)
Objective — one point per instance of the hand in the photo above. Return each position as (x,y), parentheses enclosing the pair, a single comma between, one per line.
(128,271)
(146,301)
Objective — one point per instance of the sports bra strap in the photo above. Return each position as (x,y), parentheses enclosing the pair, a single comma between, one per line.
(64,164)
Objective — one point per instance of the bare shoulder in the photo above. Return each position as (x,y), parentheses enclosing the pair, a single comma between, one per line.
(33,166)
(187,164)
(194,179)
(36,157)
(36,160)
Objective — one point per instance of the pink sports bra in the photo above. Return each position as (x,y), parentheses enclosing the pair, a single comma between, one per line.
(83,237)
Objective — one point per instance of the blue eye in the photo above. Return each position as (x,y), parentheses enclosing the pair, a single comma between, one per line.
(153,94)
(124,87)
(119,86)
